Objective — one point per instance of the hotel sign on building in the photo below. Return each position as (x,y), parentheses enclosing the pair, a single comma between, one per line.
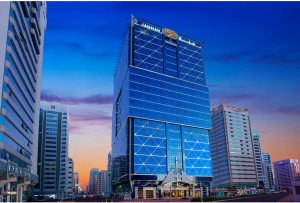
(170,33)
(150,27)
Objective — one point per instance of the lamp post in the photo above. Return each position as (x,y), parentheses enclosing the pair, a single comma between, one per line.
(171,191)
(201,192)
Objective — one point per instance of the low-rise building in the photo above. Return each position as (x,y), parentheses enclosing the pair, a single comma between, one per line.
(296,188)
(285,171)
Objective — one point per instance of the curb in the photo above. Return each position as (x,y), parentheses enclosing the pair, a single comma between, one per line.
(285,197)
(237,198)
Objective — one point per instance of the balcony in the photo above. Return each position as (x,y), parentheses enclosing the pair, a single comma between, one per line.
(35,41)
(9,168)
(37,28)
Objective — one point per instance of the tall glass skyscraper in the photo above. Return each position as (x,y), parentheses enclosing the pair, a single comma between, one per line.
(268,171)
(161,115)
(22,27)
(93,173)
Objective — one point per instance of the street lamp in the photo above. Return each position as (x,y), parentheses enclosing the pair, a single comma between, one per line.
(201,192)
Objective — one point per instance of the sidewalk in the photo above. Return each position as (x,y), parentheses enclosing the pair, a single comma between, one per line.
(289,198)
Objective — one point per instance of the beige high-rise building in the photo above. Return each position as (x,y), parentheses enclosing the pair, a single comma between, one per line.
(232,150)
(102,182)
(70,180)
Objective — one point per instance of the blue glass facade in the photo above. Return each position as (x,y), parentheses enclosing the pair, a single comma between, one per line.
(161,107)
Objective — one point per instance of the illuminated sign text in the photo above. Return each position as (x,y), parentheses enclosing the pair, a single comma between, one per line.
(186,41)
(150,27)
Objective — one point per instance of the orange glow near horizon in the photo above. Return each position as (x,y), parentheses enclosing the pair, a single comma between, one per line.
(90,145)
(89,142)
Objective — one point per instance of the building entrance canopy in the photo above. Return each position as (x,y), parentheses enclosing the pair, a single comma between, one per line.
(177,176)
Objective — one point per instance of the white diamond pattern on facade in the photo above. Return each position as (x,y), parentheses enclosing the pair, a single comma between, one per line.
(150,156)
(196,152)
(148,49)
(191,68)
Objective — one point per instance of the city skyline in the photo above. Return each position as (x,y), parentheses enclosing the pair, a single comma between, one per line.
(233,57)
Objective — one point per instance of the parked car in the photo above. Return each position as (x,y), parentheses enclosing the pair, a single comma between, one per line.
(70,197)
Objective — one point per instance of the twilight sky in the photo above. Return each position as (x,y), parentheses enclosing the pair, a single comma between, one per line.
(251,57)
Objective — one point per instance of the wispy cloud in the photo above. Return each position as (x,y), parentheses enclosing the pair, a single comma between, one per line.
(84,116)
(91,117)
(236,56)
(91,99)
(287,110)
(233,56)
(82,49)
(232,86)
(236,98)
(278,58)
(262,57)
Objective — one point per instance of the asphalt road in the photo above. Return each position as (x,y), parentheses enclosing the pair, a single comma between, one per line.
(97,199)
(275,197)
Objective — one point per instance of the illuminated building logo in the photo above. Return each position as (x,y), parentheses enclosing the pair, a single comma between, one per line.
(170,33)
(186,41)
(150,27)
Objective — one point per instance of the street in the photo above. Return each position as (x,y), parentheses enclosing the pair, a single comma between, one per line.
(275,197)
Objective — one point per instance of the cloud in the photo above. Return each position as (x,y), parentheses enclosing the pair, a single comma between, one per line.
(53,26)
(288,110)
(232,86)
(219,97)
(91,117)
(82,49)
(258,57)
(84,116)
(108,29)
(73,45)
(233,57)
(92,99)
(74,128)
(267,131)
(92,110)
(279,58)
